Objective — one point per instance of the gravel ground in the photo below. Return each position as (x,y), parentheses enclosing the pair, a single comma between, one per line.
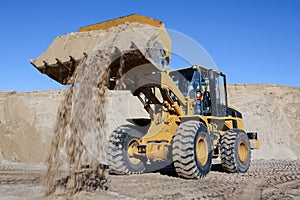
(266,179)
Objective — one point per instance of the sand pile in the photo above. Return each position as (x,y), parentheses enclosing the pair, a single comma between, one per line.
(274,112)
(27,121)
(80,131)
(26,124)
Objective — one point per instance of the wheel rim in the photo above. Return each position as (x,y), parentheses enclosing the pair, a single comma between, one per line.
(131,150)
(243,152)
(202,150)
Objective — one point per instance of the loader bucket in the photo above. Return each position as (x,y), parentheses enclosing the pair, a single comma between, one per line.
(141,40)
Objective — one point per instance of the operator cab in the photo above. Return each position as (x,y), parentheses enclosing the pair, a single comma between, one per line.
(206,88)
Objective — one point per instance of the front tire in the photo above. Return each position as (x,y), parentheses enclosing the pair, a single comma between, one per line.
(192,150)
(122,146)
(235,151)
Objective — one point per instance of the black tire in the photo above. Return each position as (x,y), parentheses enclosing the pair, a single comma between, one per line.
(232,142)
(120,162)
(188,140)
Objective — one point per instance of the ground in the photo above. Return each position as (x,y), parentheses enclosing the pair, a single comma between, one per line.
(266,179)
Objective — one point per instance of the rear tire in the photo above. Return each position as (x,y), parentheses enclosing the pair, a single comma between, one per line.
(235,151)
(122,143)
(192,150)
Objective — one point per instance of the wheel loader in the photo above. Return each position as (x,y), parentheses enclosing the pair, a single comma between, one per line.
(190,121)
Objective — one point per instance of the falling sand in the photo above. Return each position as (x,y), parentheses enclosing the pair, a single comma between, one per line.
(82,111)
(78,157)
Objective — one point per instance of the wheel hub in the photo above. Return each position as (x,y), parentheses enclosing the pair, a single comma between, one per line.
(202,150)
(131,150)
(243,152)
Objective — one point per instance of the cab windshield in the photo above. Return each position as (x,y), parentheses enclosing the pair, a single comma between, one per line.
(205,87)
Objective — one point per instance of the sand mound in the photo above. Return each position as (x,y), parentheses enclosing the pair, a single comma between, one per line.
(27,119)
(26,124)
(273,111)
(28,139)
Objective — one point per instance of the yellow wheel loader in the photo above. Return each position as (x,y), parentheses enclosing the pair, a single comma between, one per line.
(190,121)
(190,124)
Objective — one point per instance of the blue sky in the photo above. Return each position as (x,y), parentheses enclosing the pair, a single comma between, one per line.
(254,41)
